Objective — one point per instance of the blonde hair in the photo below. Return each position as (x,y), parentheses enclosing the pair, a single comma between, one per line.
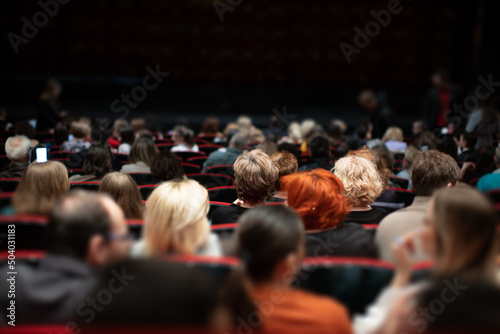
(360,178)
(176,218)
(255,176)
(40,186)
(123,189)
(393,133)
(79,130)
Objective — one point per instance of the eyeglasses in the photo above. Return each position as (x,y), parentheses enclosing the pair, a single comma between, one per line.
(118,237)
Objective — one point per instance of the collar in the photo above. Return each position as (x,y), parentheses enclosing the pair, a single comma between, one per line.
(421,201)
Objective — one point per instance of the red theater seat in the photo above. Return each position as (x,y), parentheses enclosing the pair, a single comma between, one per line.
(223,194)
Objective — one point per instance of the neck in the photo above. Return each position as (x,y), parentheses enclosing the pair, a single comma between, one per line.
(280,194)
(250,206)
(361,208)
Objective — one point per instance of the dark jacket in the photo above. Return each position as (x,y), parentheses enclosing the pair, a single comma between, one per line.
(431,105)
(48,293)
(14,169)
(315,163)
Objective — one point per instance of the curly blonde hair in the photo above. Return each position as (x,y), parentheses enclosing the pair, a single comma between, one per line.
(360,178)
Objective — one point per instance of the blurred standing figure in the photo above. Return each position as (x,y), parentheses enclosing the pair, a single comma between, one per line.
(439,100)
(484,123)
(49,113)
(377,109)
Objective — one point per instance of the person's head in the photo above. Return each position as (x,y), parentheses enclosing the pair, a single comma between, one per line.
(286,163)
(385,156)
(244,123)
(467,140)
(381,165)
(367,99)
(410,154)
(51,90)
(98,161)
(143,150)
(485,162)
(291,148)
(294,132)
(127,136)
(306,126)
(123,190)
(18,148)
(118,126)
(270,242)
(40,185)
(319,147)
(393,133)
(167,166)
(417,127)
(268,147)
(336,129)
(360,178)
(318,197)
(183,135)
(427,141)
(210,125)
(90,227)
(176,218)
(239,141)
(459,231)
(362,130)
(230,127)
(255,176)
(432,170)
(138,124)
(79,130)
(60,134)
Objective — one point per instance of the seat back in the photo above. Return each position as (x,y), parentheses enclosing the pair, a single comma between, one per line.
(209,148)
(135,227)
(9,184)
(88,185)
(76,171)
(146,190)
(142,178)
(214,206)
(187,155)
(191,168)
(224,230)
(223,194)
(219,267)
(165,146)
(29,231)
(199,161)
(4,161)
(400,182)
(211,180)
(221,169)
(404,196)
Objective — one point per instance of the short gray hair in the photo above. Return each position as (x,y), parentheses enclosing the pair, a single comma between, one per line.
(239,141)
(17,147)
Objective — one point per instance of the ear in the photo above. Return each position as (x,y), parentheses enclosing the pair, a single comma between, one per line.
(97,251)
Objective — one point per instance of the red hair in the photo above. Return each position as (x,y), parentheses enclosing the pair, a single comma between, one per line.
(318,198)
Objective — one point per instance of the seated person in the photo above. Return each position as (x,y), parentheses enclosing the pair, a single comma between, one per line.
(141,156)
(40,186)
(394,140)
(270,242)
(254,178)
(461,250)
(318,197)
(123,189)
(86,231)
(98,162)
(410,153)
(176,222)
(491,180)
(227,156)
(466,148)
(319,149)
(183,139)
(80,132)
(430,171)
(362,186)
(287,164)
(166,166)
(17,149)
(127,138)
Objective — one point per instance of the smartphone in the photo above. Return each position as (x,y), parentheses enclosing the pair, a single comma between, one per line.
(41,154)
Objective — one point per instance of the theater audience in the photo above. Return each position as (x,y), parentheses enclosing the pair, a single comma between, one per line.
(485,164)
(123,190)
(410,154)
(183,139)
(176,222)
(98,163)
(166,166)
(319,150)
(141,156)
(17,149)
(270,242)
(362,185)
(227,156)
(79,142)
(430,171)
(86,231)
(462,251)
(287,164)
(318,197)
(254,178)
(40,185)
(491,180)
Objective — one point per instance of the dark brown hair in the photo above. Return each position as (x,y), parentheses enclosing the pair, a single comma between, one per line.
(432,170)
(143,150)
(98,161)
(286,163)
(166,166)
(123,189)
(210,125)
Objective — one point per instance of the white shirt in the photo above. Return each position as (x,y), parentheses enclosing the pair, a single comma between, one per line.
(184,148)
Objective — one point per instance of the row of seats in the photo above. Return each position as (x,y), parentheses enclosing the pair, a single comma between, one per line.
(355,282)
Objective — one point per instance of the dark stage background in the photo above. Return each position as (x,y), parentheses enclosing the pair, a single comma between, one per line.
(263,55)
